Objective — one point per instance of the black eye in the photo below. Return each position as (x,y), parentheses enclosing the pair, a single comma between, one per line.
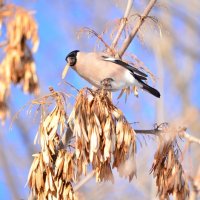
(71,61)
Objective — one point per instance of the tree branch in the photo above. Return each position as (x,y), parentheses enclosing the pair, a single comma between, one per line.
(122,24)
(190,138)
(181,132)
(84,180)
(149,131)
(137,27)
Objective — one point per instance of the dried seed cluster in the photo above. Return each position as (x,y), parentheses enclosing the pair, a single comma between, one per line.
(170,177)
(49,183)
(100,136)
(17,66)
(103,136)
(52,170)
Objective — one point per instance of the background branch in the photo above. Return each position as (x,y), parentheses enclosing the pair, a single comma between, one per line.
(84,180)
(7,170)
(122,24)
(190,138)
(137,26)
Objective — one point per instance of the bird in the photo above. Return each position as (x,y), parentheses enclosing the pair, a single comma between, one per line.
(104,71)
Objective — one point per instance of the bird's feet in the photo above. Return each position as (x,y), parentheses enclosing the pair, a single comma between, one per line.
(106,83)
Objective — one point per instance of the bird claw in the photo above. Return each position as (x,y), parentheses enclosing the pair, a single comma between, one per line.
(106,83)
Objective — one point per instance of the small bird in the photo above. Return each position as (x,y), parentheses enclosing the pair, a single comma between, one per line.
(101,70)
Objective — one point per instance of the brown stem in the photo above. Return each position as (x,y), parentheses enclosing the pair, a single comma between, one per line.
(137,27)
(123,24)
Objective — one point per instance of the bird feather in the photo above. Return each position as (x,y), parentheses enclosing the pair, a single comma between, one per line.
(134,70)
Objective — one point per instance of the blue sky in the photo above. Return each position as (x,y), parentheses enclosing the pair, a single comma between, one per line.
(58,23)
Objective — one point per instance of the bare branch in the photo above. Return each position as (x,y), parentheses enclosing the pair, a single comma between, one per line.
(150,131)
(85,180)
(181,132)
(91,31)
(122,24)
(190,138)
(137,27)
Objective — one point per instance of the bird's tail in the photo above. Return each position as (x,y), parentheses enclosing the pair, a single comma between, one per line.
(151,90)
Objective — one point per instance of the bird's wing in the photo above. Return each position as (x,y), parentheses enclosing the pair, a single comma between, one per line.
(134,70)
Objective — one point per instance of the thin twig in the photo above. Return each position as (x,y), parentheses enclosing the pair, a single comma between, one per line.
(181,133)
(91,31)
(85,180)
(137,27)
(71,86)
(150,131)
(190,138)
(122,24)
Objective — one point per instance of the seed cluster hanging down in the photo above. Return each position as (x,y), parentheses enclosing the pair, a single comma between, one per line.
(20,29)
(103,136)
(17,66)
(53,169)
(170,177)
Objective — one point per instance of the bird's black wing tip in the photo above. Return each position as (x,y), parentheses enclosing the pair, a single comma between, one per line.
(154,92)
(151,90)
(158,95)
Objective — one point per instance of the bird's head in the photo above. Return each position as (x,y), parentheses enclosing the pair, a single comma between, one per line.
(71,58)
(71,61)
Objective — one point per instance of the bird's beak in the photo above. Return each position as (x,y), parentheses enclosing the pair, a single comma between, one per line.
(65,70)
